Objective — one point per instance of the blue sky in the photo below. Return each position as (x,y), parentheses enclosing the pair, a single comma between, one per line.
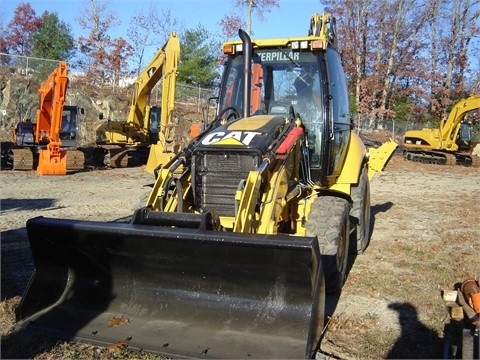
(290,19)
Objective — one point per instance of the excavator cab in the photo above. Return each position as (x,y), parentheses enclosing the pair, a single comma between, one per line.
(69,125)
(464,138)
(24,133)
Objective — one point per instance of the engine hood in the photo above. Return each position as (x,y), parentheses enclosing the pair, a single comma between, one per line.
(256,132)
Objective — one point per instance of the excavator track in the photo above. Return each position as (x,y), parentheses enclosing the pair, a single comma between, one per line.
(22,159)
(75,160)
(475,161)
(122,157)
(442,158)
(450,159)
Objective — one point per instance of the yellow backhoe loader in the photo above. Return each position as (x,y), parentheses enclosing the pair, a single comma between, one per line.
(123,144)
(451,143)
(230,258)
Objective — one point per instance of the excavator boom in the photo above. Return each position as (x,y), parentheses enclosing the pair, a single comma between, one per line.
(52,160)
(165,148)
(162,66)
(450,127)
(128,142)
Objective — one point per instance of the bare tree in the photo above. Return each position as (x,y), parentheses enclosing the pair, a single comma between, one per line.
(230,25)
(150,28)
(464,26)
(257,7)
(104,57)
(379,47)
(354,42)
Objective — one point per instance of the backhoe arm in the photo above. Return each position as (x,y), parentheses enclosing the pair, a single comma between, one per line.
(379,157)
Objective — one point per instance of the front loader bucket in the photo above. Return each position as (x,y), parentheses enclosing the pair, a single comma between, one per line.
(175,291)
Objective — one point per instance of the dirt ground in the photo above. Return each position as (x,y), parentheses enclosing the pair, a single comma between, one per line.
(425,239)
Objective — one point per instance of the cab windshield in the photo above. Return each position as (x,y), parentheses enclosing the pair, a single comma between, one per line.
(281,79)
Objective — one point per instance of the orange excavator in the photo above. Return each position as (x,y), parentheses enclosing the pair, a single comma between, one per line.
(52,160)
(39,144)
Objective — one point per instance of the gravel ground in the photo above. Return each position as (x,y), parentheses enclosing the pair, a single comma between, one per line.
(93,195)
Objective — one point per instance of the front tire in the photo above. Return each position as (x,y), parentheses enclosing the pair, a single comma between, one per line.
(329,222)
(361,213)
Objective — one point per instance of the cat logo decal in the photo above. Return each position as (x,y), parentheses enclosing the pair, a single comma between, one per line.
(230,138)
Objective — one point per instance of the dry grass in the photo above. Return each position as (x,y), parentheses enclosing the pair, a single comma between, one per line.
(7,314)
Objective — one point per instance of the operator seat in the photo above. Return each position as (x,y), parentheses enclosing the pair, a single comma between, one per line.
(282,107)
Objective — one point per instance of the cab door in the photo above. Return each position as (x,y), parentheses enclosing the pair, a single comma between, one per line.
(340,119)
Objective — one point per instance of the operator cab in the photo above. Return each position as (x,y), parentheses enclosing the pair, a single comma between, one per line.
(154,126)
(464,138)
(69,126)
(25,133)
(285,76)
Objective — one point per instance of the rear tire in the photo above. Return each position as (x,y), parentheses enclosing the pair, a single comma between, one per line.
(361,213)
(329,222)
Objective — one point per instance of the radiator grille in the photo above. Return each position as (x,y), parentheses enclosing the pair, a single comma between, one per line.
(218,176)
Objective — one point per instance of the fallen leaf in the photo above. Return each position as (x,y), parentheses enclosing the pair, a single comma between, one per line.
(117,321)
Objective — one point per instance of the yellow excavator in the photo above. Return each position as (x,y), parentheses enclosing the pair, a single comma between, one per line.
(449,144)
(232,256)
(124,144)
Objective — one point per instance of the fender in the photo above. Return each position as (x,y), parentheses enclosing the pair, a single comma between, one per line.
(356,156)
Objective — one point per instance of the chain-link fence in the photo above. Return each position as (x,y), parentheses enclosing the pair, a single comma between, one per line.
(110,96)
(39,69)
(196,97)
(396,129)
(27,66)
(187,94)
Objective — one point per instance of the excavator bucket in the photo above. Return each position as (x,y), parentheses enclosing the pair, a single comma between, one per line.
(157,157)
(183,291)
(49,164)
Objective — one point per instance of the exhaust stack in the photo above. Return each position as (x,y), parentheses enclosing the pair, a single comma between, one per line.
(247,71)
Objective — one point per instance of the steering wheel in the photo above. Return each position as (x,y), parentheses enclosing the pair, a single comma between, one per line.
(234,115)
